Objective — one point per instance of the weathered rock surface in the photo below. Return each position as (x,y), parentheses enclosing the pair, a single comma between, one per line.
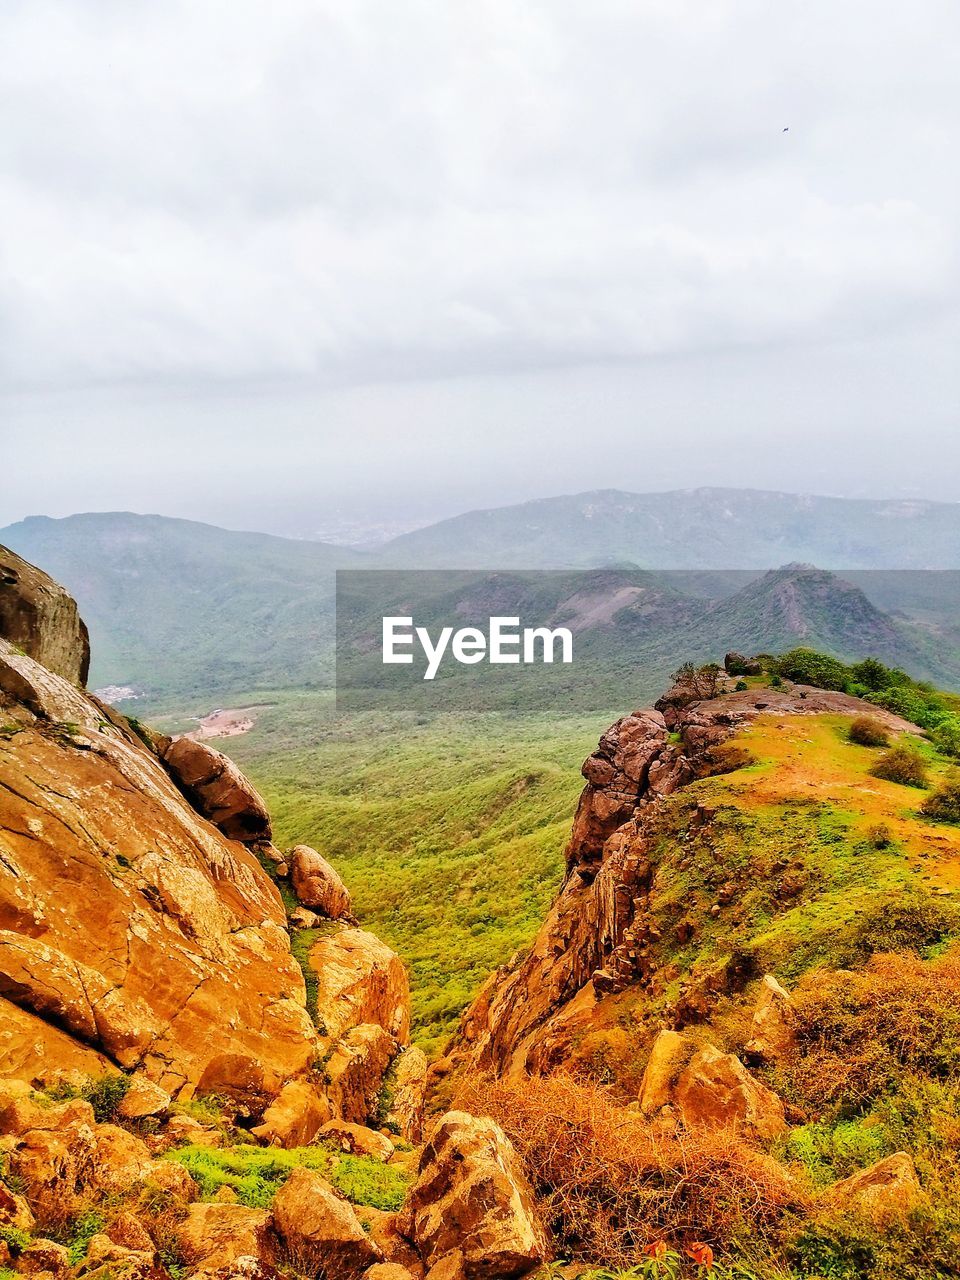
(472,1196)
(408,1085)
(320,1229)
(715,1090)
(132,933)
(669,1054)
(356,1068)
(216,788)
(772,1031)
(359,980)
(217,1235)
(295,1116)
(41,618)
(316,884)
(889,1188)
(143,1098)
(357,1139)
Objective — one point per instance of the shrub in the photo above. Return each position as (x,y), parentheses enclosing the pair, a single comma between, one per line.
(880,836)
(611,1187)
(806,666)
(868,731)
(872,674)
(944,804)
(946,736)
(14,1237)
(741,686)
(903,763)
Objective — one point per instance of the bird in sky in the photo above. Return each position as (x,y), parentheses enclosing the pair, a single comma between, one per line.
(786,129)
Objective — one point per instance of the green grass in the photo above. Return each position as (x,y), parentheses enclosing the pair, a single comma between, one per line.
(256,1174)
(449,835)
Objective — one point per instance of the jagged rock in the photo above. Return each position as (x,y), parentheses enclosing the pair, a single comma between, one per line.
(173,1180)
(295,1116)
(408,1088)
(670,1052)
(320,1228)
(181,1129)
(41,618)
(244,1268)
(889,1188)
(359,980)
(120,1159)
(450,1267)
(715,1090)
(316,884)
(385,1230)
(142,1099)
(772,1032)
(53,698)
(357,1139)
(106,1259)
(355,1070)
(28,1045)
(130,1233)
(212,1236)
(301,918)
(217,788)
(471,1195)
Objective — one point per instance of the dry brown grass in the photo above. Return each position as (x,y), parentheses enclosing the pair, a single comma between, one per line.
(609,1185)
(859,1032)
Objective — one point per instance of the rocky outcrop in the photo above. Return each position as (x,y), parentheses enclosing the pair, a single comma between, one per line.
(596,938)
(216,788)
(295,1116)
(356,1068)
(773,1029)
(357,1139)
(41,619)
(472,1202)
(670,1053)
(317,885)
(319,1228)
(406,1089)
(217,1235)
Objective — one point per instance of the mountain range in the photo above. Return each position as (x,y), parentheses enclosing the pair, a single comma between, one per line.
(186,612)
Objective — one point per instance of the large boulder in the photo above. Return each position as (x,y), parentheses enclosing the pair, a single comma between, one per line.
(888,1189)
(359,980)
(216,788)
(471,1195)
(670,1051)
(773,1030)
(320,1229)
(41,618)
(212,1236)
(316,884)
(356,1068)
(406,1102)
(295,1116)
(357,1139)
(715,1090)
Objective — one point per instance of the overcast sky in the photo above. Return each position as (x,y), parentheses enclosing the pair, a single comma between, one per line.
(281,265)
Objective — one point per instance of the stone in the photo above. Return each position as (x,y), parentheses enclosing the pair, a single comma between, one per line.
(301,918)
(14,1211)
(407,1084)
(320,1229)
(316,884)
(357,1139)
(355,1071)
(888,1189)
(173,1180)
(472,1195)
(45,1255)
(388,1271)
(130,1233)
(715,1090)
(670,1051)
(120,1160)
(295,1116)
(216,1235)
(41,618)
(359,980)
(773,1029)
(216,788)
(142,1099)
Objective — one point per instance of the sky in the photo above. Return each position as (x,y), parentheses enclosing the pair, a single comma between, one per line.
(336,264)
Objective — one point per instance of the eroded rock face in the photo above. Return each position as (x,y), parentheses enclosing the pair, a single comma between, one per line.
(408,1085)
(212,1236)
(38,616)
(773,1030)
(356,1068)
(357,1139)
(317,885)
(216,788)
(670,1052)
(295,1116)
(320,1229)
(472,1196)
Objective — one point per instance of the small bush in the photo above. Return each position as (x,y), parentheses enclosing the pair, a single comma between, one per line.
(903,763)
(945,736)
(741,686)
(84,1228)
(880,836)
(868,731)
(15,1237)
(944,804)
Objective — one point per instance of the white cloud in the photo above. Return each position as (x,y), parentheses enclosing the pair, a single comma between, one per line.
(205,190)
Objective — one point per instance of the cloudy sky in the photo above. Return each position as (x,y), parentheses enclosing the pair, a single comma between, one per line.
(284,265)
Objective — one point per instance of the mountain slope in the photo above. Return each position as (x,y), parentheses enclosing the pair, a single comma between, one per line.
(188,609)
(691,528)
